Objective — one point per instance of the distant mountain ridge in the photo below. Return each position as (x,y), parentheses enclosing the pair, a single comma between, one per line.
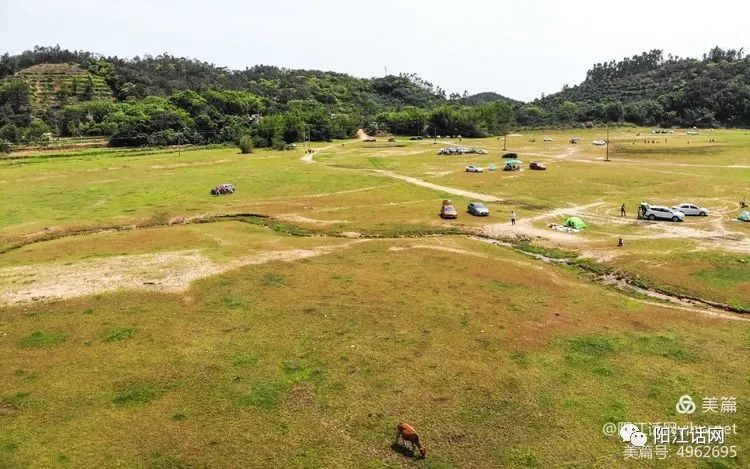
(163,75)
(650,89)
(487,97)
(163,100)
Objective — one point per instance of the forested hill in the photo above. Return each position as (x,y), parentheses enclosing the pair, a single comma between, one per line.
(651,89)
(163,75)
(163,100)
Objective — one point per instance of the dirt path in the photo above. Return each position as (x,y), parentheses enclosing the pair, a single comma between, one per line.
(437,187)
(525,227)
(171,272)
(295,218)
(308,158)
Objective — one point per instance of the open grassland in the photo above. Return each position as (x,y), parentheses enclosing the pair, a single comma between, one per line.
(144,323)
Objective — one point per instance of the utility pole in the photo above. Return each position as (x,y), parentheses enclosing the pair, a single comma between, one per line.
(607,143)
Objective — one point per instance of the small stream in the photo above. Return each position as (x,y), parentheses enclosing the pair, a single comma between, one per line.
(626,285)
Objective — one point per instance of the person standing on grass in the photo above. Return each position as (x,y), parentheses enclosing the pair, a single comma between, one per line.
(622,210)
(512,217)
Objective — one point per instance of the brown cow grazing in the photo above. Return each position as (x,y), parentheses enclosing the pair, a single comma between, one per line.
(406,432)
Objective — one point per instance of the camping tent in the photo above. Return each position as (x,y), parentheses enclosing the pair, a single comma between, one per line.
(574,222)
(744,216)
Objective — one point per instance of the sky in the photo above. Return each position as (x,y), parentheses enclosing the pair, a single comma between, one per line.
(518,49)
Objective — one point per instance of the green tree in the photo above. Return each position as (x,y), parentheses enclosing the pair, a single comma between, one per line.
(614,111)
(38,131)
(568,112)
(10,133)
(246,144)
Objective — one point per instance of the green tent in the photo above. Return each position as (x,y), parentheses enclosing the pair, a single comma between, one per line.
(574,222)
(744,216)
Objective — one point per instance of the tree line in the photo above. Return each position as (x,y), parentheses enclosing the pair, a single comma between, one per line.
(166,100)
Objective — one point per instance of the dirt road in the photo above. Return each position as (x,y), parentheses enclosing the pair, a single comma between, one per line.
(437,187)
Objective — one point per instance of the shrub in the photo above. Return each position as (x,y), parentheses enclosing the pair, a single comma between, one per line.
(4,146)
(245,144)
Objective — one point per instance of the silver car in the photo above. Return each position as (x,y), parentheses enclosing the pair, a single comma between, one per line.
(478,209)
(691,210)
(474,169)
(658,212)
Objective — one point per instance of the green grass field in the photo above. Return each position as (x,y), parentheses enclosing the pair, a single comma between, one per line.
(144,323)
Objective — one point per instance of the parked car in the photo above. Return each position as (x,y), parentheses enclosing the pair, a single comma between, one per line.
(691,210)
(599,143)
(481,151)
(478,209)
(474,169)
(537,166)
(658,212)
(448,210)
(511,155)
(547,139)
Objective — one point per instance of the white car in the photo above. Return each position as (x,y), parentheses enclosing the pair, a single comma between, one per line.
(474,169)
(659,212)
(691,210)
(547,139)
(599,142)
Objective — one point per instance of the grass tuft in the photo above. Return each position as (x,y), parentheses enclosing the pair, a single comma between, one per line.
(42,339)
(136,393)
(117,334)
